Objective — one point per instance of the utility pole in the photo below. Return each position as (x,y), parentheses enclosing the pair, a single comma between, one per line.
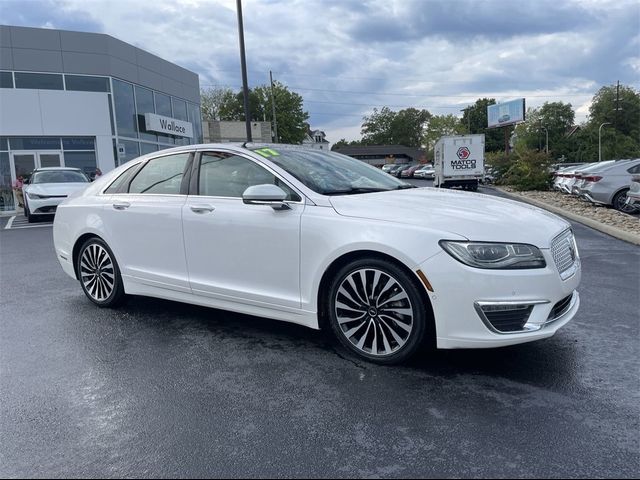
(273,109)
(243,63)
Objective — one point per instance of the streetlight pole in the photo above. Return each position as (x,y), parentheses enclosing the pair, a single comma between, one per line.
(600,140)
(243,62)
(546,131)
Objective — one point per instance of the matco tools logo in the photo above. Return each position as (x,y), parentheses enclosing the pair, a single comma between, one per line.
(464,163)
(463,153)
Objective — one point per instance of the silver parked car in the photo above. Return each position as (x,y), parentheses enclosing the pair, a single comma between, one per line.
(586,173)
(425,171)
(610,185)
(633,195)
(569,177)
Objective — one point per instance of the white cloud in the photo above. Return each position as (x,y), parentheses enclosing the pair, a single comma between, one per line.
(382,52)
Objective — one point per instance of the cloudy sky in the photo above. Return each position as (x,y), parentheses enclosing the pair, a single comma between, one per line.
(346,57)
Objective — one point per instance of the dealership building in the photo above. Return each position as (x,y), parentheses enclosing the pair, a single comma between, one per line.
(87,100)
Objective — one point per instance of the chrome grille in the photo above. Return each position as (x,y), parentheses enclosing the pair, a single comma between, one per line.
(564,252)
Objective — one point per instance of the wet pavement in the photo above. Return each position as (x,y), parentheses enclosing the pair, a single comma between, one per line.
(162,389)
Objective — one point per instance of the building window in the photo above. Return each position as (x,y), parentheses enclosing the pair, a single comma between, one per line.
(83,83)
(40,81)
(180,112)
(131,151)
(7,202)
(86,161)
(78,143)
(196,121)
(6,80)
(35,143)
(147,148)
(125,109)
(144,104)
(163,107)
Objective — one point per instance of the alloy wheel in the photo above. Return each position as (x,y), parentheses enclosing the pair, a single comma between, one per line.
(374,312)
(97,272)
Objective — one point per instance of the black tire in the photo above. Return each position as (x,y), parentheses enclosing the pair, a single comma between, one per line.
(27,213)
(387,323)
(101,291)
(619,202)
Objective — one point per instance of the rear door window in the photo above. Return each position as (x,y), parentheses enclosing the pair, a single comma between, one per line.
(161,176)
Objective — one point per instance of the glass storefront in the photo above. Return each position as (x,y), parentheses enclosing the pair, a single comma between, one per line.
(7,202)
(127,103)
(19,156)
(131,103)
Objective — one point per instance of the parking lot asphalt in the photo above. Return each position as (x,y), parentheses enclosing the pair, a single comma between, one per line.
(161,389)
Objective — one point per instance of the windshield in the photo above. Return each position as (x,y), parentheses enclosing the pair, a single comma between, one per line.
(331,173)
(59,176)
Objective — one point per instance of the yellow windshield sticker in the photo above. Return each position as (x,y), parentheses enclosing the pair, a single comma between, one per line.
(267,152)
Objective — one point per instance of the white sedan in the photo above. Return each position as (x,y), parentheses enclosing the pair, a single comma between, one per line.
(322,240)
(48,187)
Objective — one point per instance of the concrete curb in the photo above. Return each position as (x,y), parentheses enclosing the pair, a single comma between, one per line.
(601,227)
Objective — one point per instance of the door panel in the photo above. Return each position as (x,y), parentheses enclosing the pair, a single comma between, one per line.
(249,252)
(146,224)
(146,238)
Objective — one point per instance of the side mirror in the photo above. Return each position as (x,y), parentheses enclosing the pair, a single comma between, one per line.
(267,194)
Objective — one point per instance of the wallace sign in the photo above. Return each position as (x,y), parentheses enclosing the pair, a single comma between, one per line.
(167,125)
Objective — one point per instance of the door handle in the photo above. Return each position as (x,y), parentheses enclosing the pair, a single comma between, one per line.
(121,205)
(202,208)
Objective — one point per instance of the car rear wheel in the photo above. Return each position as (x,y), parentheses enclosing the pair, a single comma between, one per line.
(376,311)
(619,202)
(99,274)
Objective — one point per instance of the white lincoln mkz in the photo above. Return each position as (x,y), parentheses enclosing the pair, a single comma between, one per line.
(323,240)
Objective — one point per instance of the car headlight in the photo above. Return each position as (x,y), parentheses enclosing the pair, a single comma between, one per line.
(495,255)
(36,196)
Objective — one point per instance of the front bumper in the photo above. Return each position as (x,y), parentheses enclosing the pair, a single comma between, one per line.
(459,289)
(44,206)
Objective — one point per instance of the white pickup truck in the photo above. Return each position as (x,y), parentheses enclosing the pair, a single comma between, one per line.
(459,161)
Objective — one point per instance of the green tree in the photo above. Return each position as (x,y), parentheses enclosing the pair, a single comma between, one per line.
(290,114)
(211,101)
(439,126)
(344,143)
(387,127)
(475,121)
(621,138)
(556,118)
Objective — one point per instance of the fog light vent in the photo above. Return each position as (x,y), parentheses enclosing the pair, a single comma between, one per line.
(507,318)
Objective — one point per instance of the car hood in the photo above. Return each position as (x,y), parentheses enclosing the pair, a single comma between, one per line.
(471,215)
(56,188)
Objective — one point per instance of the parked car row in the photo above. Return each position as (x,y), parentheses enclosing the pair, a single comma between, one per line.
(601,183)
(404,170)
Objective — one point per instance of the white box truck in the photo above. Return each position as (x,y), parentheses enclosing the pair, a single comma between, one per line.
(459,161)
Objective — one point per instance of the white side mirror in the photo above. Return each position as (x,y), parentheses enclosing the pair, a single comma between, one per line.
(267,194)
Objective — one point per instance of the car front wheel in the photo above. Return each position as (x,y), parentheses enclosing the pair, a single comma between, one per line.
(377,312)
(27,213)
(99,274)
